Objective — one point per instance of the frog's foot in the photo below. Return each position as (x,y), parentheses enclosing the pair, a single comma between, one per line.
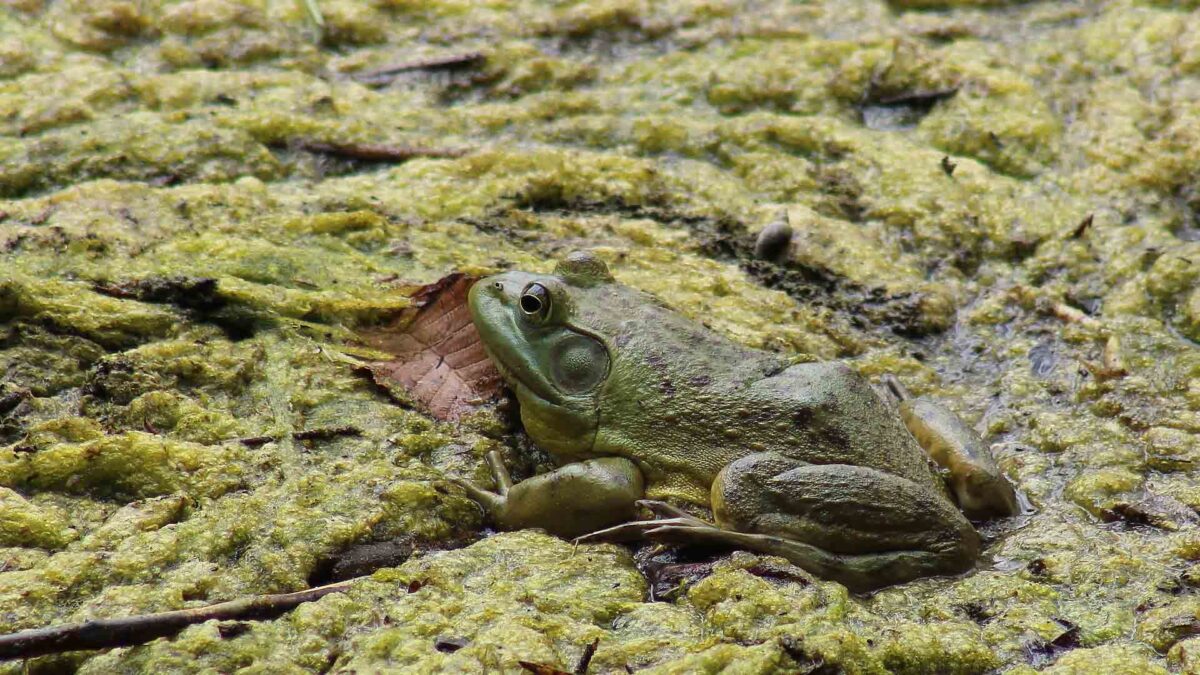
(644,530)
(979,486)
(491,502)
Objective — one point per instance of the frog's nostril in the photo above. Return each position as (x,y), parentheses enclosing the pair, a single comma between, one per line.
(497,285)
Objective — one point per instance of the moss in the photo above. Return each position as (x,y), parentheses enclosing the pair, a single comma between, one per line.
(26,525)
(130,465)
(1164,626)
(108,321)
(1113,659)
(1183,655)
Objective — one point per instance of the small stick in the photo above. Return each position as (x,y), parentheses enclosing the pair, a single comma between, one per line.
(918,97)
(1083,226)
(325,433)
(313,10)
(376,152)
(139,629)
(896,388)
(1065,312)
(318,434)
(585,659)
(386,74)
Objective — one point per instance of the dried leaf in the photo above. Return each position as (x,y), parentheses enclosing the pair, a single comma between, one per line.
(440,365)
(541,668)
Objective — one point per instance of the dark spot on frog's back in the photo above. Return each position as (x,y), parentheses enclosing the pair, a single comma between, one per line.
(700,381)
(667,387)
(832,436)
(622,339)
(803,418)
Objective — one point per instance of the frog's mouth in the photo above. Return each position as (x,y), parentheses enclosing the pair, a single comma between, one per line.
(522,376)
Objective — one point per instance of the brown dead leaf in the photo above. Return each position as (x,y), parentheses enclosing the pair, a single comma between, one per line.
(440,365)
(541,668)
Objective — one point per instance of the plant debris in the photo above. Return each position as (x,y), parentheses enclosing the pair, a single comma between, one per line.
(318,434)
(387,74)
(376,152)
(948,166)
(1083,226)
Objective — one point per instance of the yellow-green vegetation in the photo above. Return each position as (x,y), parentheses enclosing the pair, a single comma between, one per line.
(998,202)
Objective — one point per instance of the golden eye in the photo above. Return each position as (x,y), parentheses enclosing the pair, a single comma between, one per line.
(535,301)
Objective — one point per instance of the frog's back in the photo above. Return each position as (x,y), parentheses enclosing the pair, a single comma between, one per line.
(683,402)
(833,416)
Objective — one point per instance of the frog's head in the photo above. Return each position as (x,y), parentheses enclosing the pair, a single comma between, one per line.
(541,333)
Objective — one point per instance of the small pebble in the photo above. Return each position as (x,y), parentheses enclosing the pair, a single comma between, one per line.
(772,243)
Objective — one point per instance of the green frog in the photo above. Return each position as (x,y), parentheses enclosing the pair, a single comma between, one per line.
(643,407)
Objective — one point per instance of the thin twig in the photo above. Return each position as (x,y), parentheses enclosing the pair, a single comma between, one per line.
(924,97)
(135,630)
(377,152)
(318,434)
(1064,312)
(585,659)
(1083,226)
(325,433)
(313,10)
(384,75)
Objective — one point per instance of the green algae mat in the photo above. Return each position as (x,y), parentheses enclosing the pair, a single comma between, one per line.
(203,201)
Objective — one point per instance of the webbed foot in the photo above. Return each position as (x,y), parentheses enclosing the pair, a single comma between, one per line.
(492,503)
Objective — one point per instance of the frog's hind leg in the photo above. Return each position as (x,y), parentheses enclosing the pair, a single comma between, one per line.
(860,526)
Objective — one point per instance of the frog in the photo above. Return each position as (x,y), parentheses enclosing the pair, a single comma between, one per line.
(647,411)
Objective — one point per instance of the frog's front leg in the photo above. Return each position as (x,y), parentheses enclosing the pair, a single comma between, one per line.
(978,484)
(569,501)
(862,527)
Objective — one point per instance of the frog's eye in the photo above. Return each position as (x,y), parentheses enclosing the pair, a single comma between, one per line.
(535,301)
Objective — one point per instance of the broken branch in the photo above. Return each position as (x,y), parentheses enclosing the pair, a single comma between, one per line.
(135,630)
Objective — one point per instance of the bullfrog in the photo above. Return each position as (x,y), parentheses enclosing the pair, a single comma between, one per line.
(646,409)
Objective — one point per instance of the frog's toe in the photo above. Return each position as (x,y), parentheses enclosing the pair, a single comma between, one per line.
(489,501)
(689,534)
(665,510)
(632,531)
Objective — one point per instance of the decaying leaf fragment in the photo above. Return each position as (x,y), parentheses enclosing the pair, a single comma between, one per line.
(440,365)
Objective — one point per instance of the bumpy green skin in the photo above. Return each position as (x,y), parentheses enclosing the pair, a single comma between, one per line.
(807,454)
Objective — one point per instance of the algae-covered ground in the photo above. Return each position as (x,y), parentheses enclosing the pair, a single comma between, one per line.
(996,202)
